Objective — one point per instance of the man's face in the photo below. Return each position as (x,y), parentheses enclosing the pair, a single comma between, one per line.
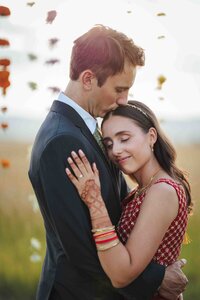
(113,93)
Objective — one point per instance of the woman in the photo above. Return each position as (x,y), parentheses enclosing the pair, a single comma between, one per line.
(154,215)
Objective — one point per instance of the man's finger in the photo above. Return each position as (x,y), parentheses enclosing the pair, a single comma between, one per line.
(181,262)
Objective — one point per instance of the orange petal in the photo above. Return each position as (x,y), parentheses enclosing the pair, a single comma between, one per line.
(5,163)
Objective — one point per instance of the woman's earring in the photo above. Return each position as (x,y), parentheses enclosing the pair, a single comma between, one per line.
(152,149)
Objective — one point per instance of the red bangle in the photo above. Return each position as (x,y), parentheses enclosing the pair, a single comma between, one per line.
(103,234)
(107,240)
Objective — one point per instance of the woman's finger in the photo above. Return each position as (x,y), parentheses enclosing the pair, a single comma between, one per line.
(85,161)
(80,164)
(71,177)
(74,168)
(95,170)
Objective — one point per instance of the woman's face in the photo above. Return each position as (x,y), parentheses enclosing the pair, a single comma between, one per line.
(127,144)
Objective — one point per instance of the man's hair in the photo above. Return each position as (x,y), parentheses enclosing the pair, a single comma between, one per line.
(104,51)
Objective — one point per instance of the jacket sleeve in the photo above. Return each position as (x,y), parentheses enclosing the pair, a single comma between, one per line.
(146,285)
(68,215)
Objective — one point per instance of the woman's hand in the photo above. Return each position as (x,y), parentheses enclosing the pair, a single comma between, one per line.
(85,178)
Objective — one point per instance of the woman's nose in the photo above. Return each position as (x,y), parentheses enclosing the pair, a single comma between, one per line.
(116,150)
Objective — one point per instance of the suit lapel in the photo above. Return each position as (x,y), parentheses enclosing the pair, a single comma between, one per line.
(71,114)
(75,118)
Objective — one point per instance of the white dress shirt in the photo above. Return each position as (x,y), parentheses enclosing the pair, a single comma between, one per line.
(89,120)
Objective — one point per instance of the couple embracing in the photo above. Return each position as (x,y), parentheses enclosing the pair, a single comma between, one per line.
(104,241)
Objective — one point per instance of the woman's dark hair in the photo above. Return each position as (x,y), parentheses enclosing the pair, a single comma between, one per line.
(164,151)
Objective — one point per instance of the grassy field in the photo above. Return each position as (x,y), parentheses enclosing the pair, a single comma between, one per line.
(21,260)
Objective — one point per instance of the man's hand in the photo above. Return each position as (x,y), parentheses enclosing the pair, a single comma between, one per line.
(174,281)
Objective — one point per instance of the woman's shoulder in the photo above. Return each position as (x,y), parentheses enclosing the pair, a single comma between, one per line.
(168,184)
(164,188)
(164,185)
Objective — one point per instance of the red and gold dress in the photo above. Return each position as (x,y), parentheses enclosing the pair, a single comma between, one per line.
(170,247)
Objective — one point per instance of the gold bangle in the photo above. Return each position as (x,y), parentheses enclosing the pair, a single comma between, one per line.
(108,246)
(103,229)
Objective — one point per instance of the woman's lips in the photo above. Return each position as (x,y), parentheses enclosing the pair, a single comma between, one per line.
(122,160)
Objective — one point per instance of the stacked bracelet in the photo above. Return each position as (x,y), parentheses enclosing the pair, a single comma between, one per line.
(105,238)
(103,229)
(108,246)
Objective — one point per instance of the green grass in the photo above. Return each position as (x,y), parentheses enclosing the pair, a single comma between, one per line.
(18,275)
(19,223)
(192,253)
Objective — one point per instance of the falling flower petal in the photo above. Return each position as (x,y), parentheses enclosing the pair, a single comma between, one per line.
(4,126)
(53,42)
(129,11)
(30,3)
(5,163)
(161,79)
(51,16)
(52,61)
(4,62)
(161,14)
(4,11)
(35,244)
(161,37)
(35,258)
(4,82)
(54,89)
(161,98)
(32,56)
(4,42)
(32,85)
(4,109)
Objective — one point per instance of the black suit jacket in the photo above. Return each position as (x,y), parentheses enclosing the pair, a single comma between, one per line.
(71,259)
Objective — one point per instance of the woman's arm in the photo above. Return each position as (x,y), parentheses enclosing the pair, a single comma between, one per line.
(124,263)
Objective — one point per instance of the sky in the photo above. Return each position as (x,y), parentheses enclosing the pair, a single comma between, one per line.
(171,43)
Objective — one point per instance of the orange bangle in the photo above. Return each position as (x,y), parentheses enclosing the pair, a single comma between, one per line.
(96,236)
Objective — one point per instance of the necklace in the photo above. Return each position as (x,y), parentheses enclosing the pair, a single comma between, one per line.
(138,191)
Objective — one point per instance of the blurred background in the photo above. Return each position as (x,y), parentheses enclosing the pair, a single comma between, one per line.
(35,46)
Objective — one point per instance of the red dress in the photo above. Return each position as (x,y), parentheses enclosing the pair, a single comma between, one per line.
(170,247)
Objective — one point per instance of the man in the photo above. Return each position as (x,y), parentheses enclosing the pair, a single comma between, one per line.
(102,70)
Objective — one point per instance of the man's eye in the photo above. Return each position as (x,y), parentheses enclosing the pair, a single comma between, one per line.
(119,91)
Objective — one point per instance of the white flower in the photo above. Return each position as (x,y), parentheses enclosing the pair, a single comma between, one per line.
(35,258)
(33,200)
(35,243)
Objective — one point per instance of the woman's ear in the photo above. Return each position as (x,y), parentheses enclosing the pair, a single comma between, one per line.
(152,136)
(86,78)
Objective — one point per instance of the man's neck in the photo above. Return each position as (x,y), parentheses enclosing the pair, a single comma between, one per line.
(73,91)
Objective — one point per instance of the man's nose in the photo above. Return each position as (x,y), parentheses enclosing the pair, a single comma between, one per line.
(123,99)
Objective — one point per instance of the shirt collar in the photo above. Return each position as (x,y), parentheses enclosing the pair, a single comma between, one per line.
(89,120)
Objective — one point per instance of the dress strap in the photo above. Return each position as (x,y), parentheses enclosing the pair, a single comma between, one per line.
(169,181)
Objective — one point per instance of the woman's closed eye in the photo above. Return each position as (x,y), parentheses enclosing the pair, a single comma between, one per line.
(108,145)
(124,139)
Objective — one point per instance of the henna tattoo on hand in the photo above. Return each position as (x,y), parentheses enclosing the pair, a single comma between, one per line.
(91,195)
